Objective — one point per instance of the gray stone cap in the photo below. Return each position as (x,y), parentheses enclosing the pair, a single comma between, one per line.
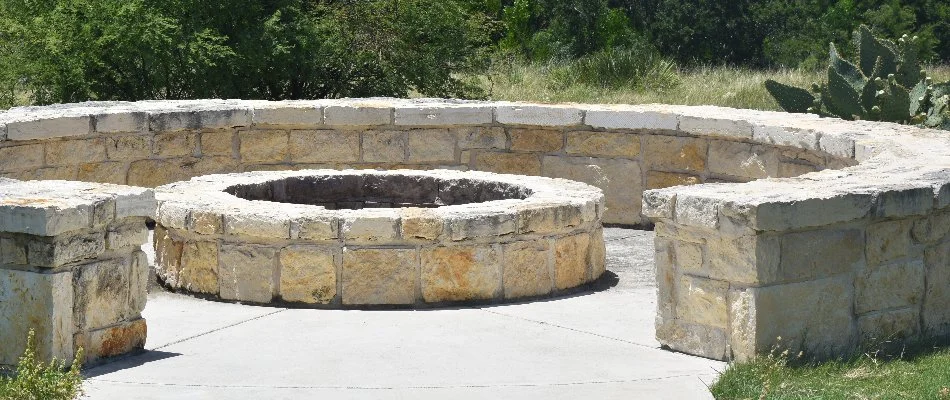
(178,202)
(50,208)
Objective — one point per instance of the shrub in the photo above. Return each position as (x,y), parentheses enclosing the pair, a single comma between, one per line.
(34,380)
(619,68)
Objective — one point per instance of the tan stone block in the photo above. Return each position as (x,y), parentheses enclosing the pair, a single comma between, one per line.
(138,291)
(889,286)
(665,278)
(673,152)
(132,234)
(314,227)
(324,146)
(199,267)
(246,272)
(152,173)
(175,144)
(370,230)
(598,254)
(818,254)
(536,140)
(788,170)
(742,160)
(480,137)
(876,328)
(605,144)
(206,222)
(385,146)
(527,270)
(102,294)
(932,228)
(41,302)
(659,179)
(257,224)
(548,218)
(888,241)
(15,158)
(570,261)
(379,276)
(420,224)
(106,172)
(167,257)
(307,274)
(700,340)
(460,273)
(71,152)
(936,314)
(112,341)
(482,226)
(619,179)
(217,143)
(65,249)
(68,173)
(749,260)
(508,163)
(702,301)
(689,257)
(431,145)
(263,146)
(12,252)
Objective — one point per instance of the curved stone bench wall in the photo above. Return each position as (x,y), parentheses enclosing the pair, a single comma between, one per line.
(854,253)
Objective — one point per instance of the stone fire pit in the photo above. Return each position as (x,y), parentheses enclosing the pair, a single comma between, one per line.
(329,238)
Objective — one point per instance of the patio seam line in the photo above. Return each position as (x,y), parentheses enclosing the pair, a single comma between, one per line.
(571,329)
(217,329)
(344,387)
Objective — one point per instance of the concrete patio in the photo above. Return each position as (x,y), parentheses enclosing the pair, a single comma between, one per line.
(597,344)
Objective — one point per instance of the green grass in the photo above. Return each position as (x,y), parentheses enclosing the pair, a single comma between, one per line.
(721,86)
(922,376)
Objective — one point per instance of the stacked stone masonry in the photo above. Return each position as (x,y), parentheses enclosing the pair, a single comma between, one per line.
(484,237)
(825,232)
(71,268)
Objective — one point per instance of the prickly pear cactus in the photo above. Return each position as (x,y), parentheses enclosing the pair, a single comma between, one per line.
(885,84)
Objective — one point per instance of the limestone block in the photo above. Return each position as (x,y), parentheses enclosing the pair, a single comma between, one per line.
(324,146)
(379,276)
(102,293)
(705,126)
(167,256)
(888,241)
(246,272)
(818,254)
(131,234)
(257,224)
(482,225)
(217,143)
(508,163)
(698,211)
(658,204)
(480,137)
(936,314)
(904,202)
(71,152)
(538,115)
(631,119)
(527,269)
(702,301)
(665,278)
(546,218)
(689,258)
(138,290)
(42,302)
(748,260)
(174,144)
(674,153)
(288,115)
(931,228)
(199,267)
(875,328)
(571,256)
(605,144)
(68,173)
(420,224)
(314,227)
(782,215)
(205,222)
(12,252)
(385,146)
(133,202)
(812,316)
(115,340)
(263,146)
(742,160)
(152,173)
(701,340)
(307,274)
(536,140)
(370,229)
(460,273)
(123,121)
(441,115)
(105,172)
(212,118)
(43,128)
(52,252)
(431,145)
(357,115)
(838,146)
(788,170)
(16,158)
(619,179)
(786,136)
(659,179)
(135,147)
(598,254)
(889,286)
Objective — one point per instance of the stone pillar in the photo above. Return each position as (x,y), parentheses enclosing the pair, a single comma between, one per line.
(71,268)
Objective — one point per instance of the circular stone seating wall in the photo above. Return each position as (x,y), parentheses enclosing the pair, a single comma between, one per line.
(482,237)
(853,250)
